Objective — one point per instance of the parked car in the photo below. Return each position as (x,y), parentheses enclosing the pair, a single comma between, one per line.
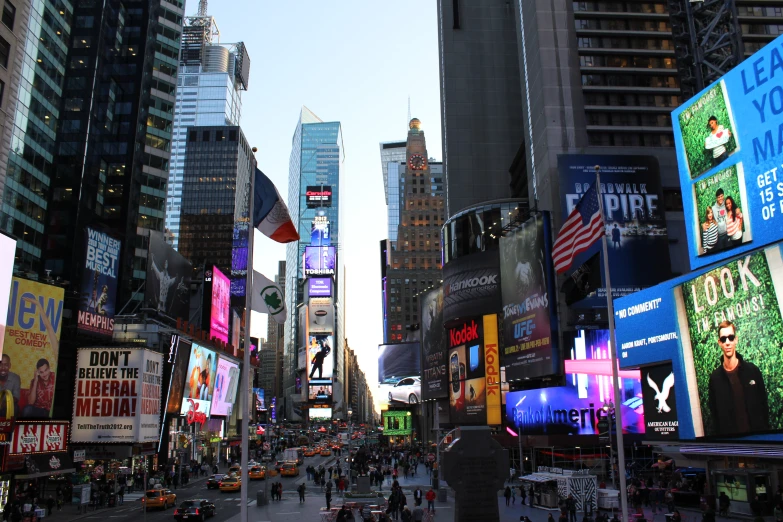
(407,389)
(159,498)
(213,482)
(195,509)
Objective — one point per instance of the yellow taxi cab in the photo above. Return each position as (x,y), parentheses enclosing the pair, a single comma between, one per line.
(256,472)
(235,468)
(159,498)
(310,452)
(230,484)
(289,469)
(326,452)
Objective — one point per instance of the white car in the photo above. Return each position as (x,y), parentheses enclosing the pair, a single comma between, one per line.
(407,389)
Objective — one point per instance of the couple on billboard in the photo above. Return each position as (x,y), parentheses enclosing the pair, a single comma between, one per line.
(722,227)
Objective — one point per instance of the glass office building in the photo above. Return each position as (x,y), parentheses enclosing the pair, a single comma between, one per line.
(392,154)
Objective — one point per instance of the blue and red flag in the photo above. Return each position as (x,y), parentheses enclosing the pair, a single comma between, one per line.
(584,226)
(270,215)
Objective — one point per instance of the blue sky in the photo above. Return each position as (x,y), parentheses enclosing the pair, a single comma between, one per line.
(350,61)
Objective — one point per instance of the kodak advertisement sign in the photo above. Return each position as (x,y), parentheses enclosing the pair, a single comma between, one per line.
(492,363)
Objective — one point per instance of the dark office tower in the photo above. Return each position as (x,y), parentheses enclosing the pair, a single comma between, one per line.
(29,170)
(215,196)
(481,100)
(113,99)
(414,258)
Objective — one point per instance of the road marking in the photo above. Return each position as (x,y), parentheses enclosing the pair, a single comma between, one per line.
(289,513)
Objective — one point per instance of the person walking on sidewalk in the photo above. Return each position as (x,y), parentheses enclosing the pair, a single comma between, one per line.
(522,493)
(301,491)
(329,498)
(430,496)
(507,494)
(571,505)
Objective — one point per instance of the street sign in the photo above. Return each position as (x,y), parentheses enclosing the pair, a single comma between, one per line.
(266,446)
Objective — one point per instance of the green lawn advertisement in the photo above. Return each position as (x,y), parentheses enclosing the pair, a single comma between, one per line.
(742,291)
(731,181)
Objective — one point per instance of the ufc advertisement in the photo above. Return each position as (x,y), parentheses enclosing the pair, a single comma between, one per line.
(99,283)
(39,437)
(528,303)
(168,279)
(660,403)
(118,395)
(467,386)
(471,286)
(434,352)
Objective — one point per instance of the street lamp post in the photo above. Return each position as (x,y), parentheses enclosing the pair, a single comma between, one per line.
(350,443)
(608,408)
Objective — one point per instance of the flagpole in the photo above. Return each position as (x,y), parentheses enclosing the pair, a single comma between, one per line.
(244,402)
(618,419)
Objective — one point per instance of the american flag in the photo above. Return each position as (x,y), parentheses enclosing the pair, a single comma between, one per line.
(584,226)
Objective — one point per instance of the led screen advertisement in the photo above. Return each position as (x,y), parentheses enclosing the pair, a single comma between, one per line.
(528,303)
(434,352)
(7,253)
(200,381)
(318,196)
(319,287)
(320,260)
(575,409)
(167,289)
(467,381)
(32,345)
(320,359)
(221,302)
(99,283)
(320,393)
(225,389)
(320,414)
(117,396)
(471,286)
(320,315)
(728,146)
(320,232)
(178,358)
(660,402)
(304,338)
(710,324)
(396,422)
(239,257)
(634,217)
(399,373)
(260,399)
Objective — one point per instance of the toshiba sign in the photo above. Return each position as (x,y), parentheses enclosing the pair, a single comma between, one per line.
(318,196)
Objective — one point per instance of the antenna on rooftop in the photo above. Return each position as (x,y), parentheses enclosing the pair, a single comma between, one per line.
(407,123)
(202,8)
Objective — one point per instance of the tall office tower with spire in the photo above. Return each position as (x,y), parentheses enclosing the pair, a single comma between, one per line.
(314,181)
(212,77)
(413,257)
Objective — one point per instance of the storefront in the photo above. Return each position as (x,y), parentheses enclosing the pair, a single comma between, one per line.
(552,485)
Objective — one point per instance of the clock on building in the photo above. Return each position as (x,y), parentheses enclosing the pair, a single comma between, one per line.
(417,162)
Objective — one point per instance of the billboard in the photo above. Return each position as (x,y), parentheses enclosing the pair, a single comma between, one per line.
(660,402)
(118,395)
(32,346)
(434,352)
(320,260)
(467,373)
(320,315)
(396,422)
(221,302)
(99,283)
(225,389)
(471,286)
(8,250)
(319,287)
(304,338)
(320,232)
(168,279)
(260,402)
(200,381)
(528,301)
(39,437)
(239,256)
(728,146)
(318,196)
(320,360)
(178,357)
(319,414)
(709,324)
(633,214)
(492,362)
(320,393)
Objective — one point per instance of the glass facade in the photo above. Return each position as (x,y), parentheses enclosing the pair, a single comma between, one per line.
(392,154)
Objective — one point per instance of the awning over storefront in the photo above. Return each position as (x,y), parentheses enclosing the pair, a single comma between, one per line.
(46,465)
(540,477)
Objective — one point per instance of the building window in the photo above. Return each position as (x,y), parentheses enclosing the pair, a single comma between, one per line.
(9,14)
(193,136)
(232,135)
(5,52)
(205,136)
(2,91)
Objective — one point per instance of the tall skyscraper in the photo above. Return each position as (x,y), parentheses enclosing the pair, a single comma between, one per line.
(481,100)
(211,80)
(314,180)
(414,257)
(393,154)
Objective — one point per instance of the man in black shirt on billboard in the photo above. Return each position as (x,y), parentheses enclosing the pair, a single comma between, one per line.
(737,395)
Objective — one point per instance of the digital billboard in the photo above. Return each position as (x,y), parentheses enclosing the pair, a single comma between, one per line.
(633,215)
(7,253)
(320,232)
(492,363)
(320,359)
(304,338)
(728,146)
(221,302)
(660,402)
(319,287)
(713,324)
(200,381)
(318,196)
(397,422)
(31,437)
(434,352)
(178,357)
(225,389)
(471,286)
(528,301)
(260,400)
(467,373)
(99,283)
(320,260)
(32,345)
(575,409)
(239,256)
(117,396)
(319,414)
(320,393)
(320,315)
(168,279)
